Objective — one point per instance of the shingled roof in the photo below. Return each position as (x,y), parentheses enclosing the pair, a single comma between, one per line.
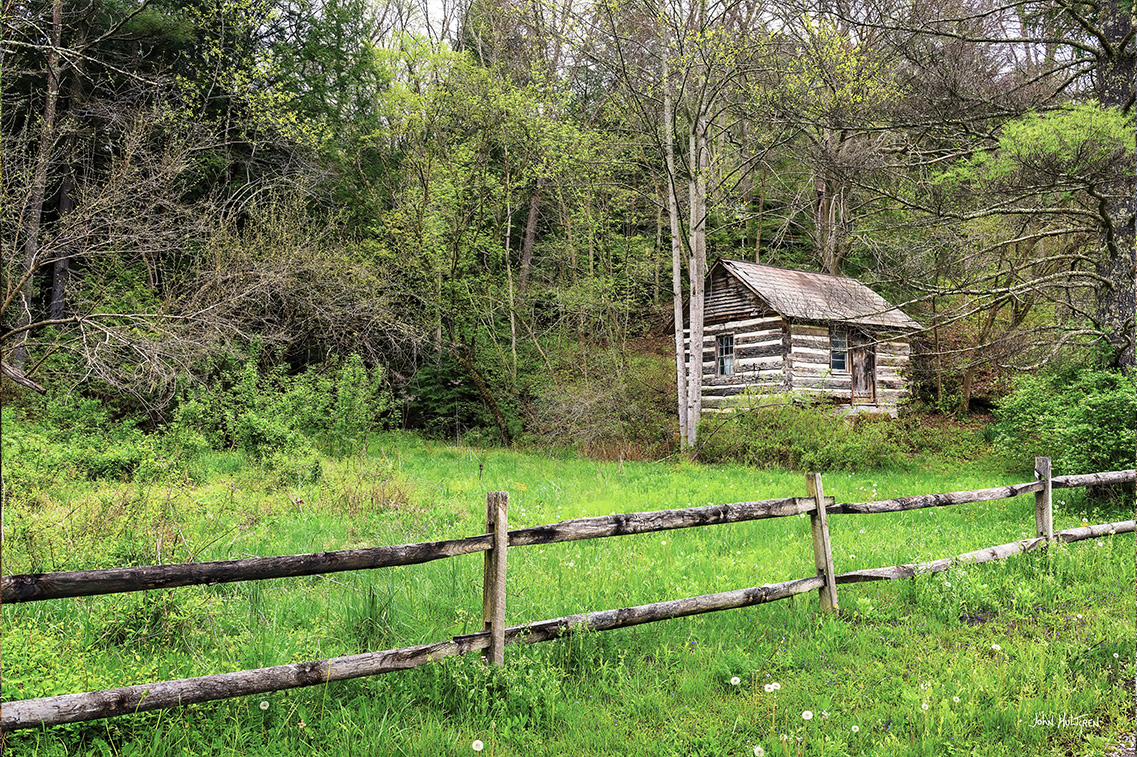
(802,295)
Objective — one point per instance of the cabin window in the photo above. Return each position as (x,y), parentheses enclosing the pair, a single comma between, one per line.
(839,350)
(724,355)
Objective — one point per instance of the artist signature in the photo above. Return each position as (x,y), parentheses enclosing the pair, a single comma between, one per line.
(1044,719)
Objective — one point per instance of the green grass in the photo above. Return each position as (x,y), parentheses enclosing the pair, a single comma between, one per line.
(1059,615)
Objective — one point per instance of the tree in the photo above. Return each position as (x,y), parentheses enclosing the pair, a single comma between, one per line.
(126,128)
(685,71)
(974,71)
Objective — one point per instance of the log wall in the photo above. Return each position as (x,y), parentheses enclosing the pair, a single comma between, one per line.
(727,299)
(811,373)
(759,360)
(774,356)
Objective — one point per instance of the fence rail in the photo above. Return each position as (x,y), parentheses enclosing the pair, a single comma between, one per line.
(71,708)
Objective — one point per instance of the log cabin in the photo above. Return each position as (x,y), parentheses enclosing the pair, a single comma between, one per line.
(771,330)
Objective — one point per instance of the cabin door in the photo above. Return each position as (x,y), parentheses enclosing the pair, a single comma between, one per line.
(862,365)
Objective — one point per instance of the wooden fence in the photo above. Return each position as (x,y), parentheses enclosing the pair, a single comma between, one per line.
(492,640)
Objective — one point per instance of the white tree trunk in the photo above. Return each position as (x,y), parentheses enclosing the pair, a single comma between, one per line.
(676,253)
(697,268)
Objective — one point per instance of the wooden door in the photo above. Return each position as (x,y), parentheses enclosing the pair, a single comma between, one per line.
(862,365)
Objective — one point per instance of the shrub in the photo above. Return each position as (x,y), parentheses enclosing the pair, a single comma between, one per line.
(268,415)
(786,433)
(1084,419)
(609,404)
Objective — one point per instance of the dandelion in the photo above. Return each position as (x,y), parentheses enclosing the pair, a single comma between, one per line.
(807,715)
(1100,544)
(1085,520)
(852,557)
(735,681)
(776,685)
(996,648)
(769,688)
(856,729)
(1078,616)
(759,751)
(924,707)
(264,705)
(477,746)
(955,699)
(663,543)
(947,584)
(1116,656)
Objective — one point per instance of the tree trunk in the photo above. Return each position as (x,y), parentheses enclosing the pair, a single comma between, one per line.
(34,210)
(676,256)
(530,238)
(697,271)
(1118,302)
(61,268)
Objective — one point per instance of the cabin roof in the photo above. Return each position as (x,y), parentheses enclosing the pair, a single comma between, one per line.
(817,296)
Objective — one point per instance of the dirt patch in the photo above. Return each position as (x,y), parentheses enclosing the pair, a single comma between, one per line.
(1125,748)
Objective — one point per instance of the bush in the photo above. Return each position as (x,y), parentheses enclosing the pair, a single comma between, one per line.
(784,432)
(269,415)
(609,405)
(1084,419)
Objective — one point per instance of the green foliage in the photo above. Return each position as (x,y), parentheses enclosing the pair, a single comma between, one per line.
(279,419)
(789,434)
(444,401)
(1082,418)
(522,694)
(1086,142)
(76,438)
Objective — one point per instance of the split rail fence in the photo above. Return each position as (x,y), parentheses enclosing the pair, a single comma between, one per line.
(492,640)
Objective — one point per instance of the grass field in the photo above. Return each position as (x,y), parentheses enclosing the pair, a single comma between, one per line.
(1034,654)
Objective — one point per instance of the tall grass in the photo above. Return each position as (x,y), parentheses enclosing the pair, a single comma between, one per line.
(1058,616)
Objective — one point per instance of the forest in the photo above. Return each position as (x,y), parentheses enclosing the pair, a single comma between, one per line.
(490,212)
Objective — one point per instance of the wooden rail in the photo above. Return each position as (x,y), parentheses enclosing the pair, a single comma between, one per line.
(75,708)
(71,708)
(33,587)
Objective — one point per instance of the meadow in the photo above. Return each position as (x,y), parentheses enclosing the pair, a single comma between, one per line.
(1033,653)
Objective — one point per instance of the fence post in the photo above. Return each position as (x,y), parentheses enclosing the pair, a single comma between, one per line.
(822,554)
(493,584)
(1043,500)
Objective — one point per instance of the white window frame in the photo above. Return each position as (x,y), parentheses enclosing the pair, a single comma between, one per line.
(839,349)
(724,355)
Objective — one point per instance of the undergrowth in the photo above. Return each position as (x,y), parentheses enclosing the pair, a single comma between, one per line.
(981,659)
